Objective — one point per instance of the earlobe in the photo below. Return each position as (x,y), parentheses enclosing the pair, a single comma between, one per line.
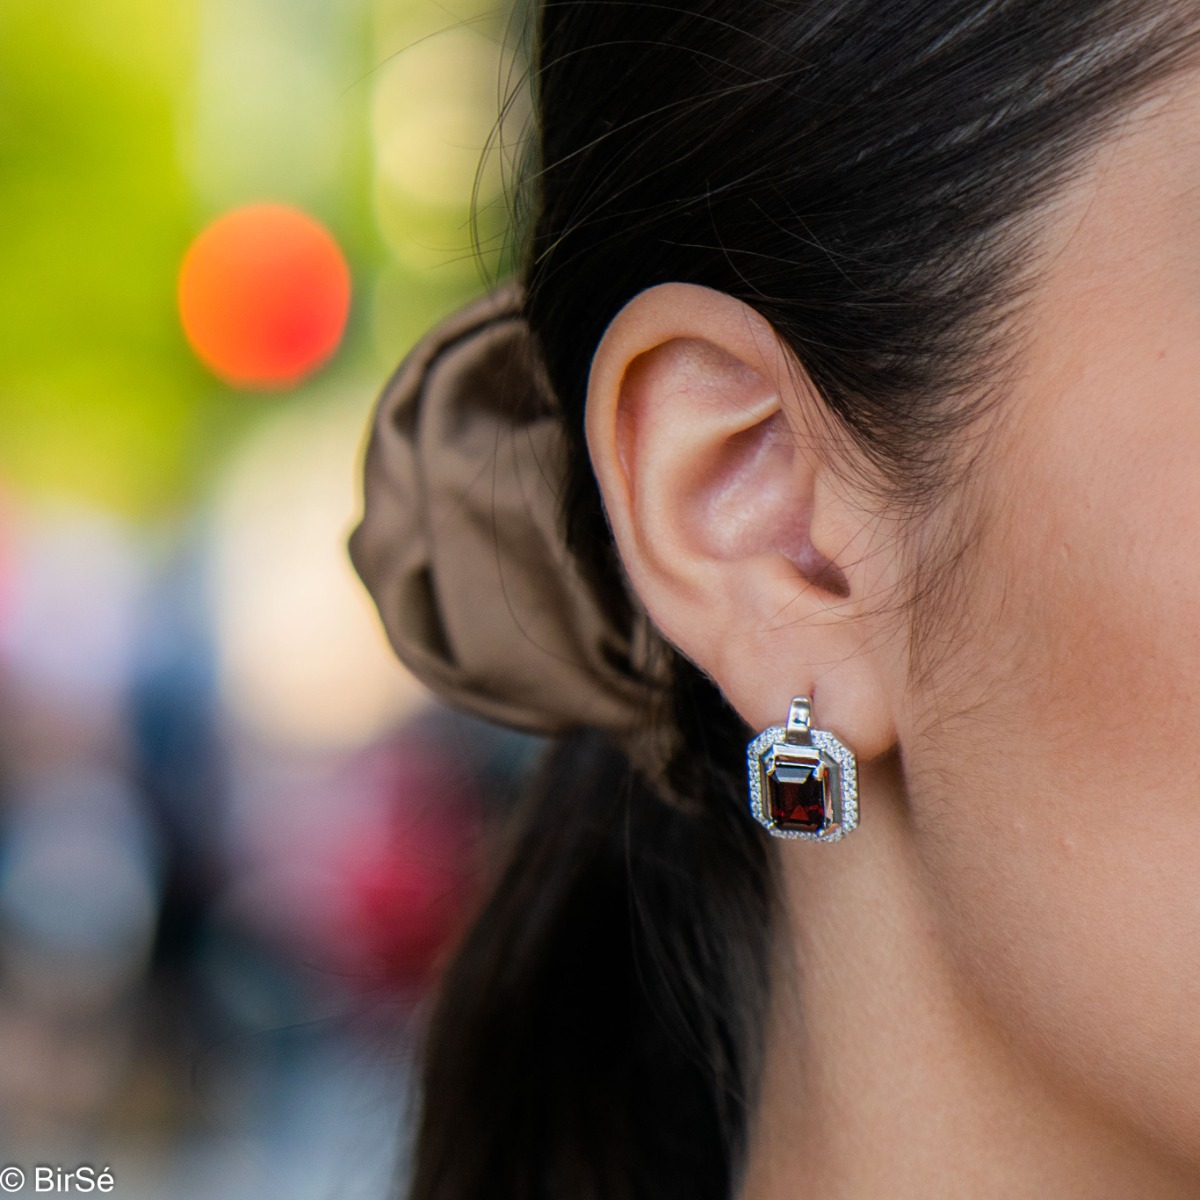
(744,553)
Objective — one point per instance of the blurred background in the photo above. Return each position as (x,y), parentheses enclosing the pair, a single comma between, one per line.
(236,839)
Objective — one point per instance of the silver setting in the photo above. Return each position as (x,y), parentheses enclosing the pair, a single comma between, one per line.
(799,722)
(798,742)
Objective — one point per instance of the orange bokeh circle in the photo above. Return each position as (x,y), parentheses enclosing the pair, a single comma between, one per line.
(264,293)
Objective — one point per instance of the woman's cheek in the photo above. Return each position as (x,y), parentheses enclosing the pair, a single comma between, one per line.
(1056,793)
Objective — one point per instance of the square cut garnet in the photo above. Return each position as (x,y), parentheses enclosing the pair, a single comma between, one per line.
(797,793)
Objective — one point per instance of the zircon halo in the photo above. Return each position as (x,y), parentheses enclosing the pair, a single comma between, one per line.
(806,791)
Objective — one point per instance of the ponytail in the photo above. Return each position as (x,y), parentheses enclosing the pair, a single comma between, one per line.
(590,1036)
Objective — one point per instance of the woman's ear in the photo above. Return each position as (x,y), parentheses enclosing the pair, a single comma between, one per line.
(749,554)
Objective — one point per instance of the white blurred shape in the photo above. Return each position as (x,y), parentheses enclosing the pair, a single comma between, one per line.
(71,622)
(271,115)
(434,108)
(302,656)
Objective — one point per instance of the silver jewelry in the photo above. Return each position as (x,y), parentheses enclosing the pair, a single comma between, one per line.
(803,781)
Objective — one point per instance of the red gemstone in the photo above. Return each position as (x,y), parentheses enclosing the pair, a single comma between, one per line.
(797,794)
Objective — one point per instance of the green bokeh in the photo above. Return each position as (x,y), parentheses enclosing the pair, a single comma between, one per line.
(102,127)
(98,393)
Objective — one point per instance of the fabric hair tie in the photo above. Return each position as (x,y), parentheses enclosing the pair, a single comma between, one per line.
(460,542)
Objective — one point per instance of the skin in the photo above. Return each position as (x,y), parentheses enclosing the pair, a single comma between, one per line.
(992,988)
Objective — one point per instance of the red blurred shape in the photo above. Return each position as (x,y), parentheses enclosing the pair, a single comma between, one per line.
(264,292)
(409,884)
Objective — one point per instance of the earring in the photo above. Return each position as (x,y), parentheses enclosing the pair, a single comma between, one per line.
(803,781)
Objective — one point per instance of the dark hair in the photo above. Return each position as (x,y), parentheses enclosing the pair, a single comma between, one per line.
(867,174)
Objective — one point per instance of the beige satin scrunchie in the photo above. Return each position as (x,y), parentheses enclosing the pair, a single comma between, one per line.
(460,543)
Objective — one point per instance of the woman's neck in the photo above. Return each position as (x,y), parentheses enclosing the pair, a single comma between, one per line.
(884,1076)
